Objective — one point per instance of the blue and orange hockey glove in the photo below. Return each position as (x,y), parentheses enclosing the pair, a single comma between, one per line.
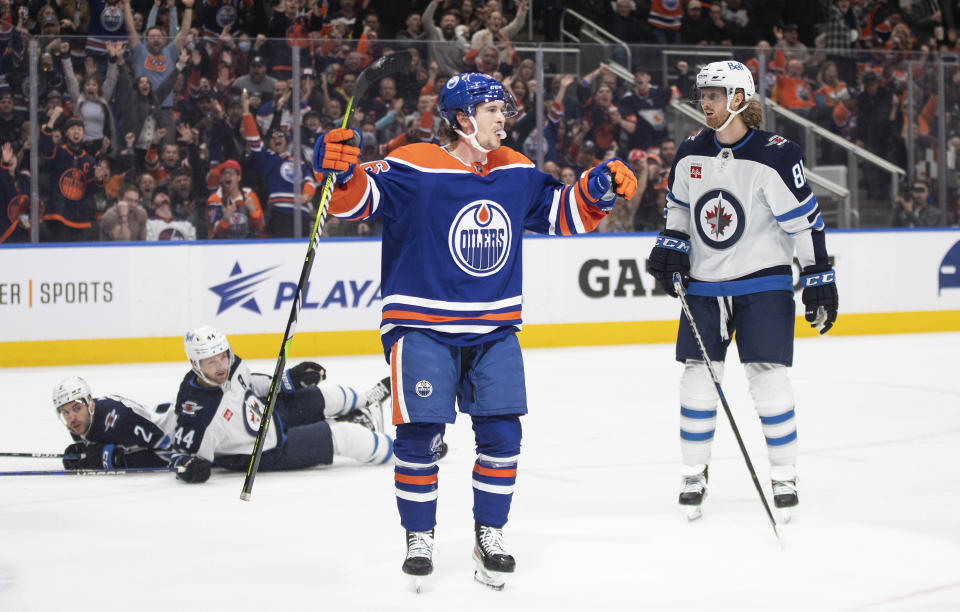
(610,179)
(337,151)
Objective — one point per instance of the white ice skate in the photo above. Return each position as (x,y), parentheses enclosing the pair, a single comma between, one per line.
(419,561)
(492,562)
(783,480)
(693,489)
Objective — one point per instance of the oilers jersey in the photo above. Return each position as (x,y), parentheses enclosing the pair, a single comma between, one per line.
(223,420)
(451,245)
(144,436)
(747,208)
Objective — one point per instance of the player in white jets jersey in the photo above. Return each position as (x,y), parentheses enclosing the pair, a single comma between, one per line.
(219,407)
(738,209)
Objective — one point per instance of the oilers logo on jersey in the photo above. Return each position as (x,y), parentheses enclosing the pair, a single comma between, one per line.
(480,238)
(719,218)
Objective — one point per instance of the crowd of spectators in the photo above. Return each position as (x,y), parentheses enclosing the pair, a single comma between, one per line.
(174,119)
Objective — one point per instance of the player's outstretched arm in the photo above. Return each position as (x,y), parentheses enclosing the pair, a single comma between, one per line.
(607,180)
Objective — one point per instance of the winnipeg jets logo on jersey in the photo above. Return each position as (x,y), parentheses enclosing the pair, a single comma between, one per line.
(719,218)
(110,420)
(480,238)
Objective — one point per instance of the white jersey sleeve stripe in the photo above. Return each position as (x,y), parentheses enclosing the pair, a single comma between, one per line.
(439,304)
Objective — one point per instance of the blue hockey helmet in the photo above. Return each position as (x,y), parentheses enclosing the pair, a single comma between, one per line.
(463,92)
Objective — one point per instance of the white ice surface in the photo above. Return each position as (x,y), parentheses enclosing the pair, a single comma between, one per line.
(595,524)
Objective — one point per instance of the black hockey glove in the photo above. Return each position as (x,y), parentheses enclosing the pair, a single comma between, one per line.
(820,299)
(93,457)
(670,254)
(192,469)
(302,376)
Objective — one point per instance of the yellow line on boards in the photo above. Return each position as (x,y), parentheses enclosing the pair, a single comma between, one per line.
(367,342)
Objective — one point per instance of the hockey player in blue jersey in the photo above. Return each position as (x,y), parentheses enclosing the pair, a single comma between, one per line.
(451,283)
(109,432)
(738,209)
(220,404)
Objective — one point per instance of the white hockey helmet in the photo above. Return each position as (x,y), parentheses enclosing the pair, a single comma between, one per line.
(71,389)
(731,76)
(204,342)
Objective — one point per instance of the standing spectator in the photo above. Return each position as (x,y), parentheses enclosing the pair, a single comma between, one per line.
(793,91)
(414,33)
(92,104)
(106,24)
(789,44)
(289,29)
(257,82)
(841,30)
(446,45)
(646,106)
(625,24)
(915,209)
(500,36)
(738,22)
(717,31)
(184,203)
(876,124)
(164,225)
(15,192)
(696,25)
(10,118)
(157,58)
(126,220)
(75,175)
(233,211)
(276,166)
(603,119)
(666,20)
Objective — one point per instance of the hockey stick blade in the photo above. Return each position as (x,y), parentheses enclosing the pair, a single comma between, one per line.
(682,294)
(385,66)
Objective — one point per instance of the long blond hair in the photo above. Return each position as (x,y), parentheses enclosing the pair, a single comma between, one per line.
(752,115)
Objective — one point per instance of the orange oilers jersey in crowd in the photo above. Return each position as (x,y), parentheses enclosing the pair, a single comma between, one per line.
(793,93)
(666,14)
(242,223)
(451,245)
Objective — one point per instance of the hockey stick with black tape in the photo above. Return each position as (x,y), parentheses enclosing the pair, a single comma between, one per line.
(42,455)
(83,472)
(682,294)
(385,66)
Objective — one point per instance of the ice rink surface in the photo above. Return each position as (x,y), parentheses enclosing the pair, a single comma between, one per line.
(595,524)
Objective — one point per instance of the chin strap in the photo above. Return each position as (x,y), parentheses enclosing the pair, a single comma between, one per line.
(472,139)
(733,113)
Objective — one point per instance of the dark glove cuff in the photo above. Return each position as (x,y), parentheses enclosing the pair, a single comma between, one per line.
(676,234)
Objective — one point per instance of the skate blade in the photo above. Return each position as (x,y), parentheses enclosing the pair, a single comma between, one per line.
(693,512)
(494,580)
(417,582)
(785,515)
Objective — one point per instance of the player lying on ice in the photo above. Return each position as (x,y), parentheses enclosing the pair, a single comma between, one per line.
(453,218)
(215,419)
